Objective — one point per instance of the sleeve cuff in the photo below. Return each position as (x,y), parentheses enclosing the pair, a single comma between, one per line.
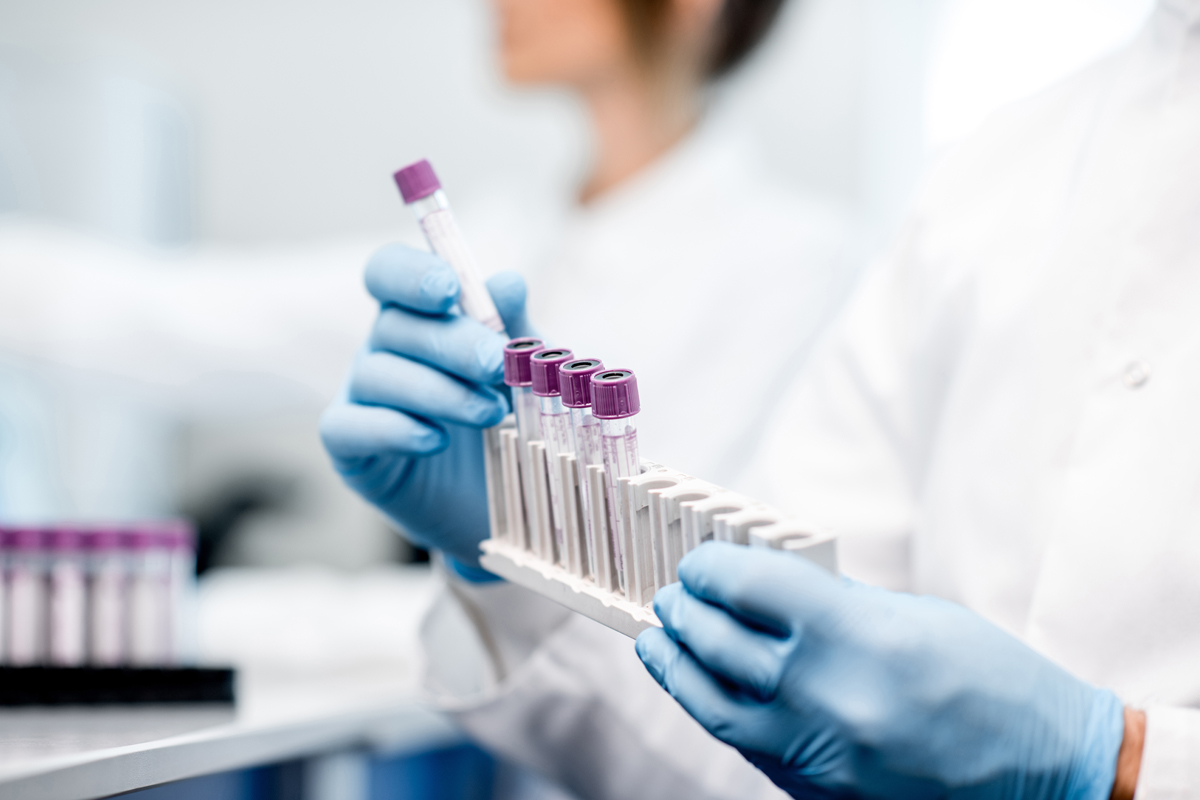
(1171,755)
(477,633)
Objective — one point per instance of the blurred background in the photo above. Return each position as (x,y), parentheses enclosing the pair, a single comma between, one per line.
(189,191)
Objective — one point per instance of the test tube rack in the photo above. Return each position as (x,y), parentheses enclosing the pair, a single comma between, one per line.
(662,514)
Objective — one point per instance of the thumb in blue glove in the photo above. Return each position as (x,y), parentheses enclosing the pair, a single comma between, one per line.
(406,434)
(836,689)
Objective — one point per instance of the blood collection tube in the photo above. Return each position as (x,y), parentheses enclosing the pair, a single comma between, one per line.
(149,599)
(27,599)
(615,403)
(68,597)
(556,432)
(180,538)
(4,559)
(422,192)
(106,597)
(575,383)
(517,375)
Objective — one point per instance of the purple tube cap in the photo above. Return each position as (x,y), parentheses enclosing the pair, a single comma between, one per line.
(65,539)
(516,360)
(416,181)
(575,381)
(25,538)
(104,538)
(615,394)
(543,366)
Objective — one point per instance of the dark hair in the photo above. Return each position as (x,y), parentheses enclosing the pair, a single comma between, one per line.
(739,28)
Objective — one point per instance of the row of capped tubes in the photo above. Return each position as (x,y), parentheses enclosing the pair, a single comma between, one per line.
(102,595)
(665,514)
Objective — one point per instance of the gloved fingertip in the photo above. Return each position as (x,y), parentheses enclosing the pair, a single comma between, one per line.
(666,600)
(693,566)
(487,409)
(654,648)
(489,354)
(439,287)
(428,441)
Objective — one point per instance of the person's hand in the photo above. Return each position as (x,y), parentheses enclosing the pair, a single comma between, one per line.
(406,432)
(836,689)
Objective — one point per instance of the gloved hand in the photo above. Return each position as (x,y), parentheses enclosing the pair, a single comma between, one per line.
(406,432)
(836,689)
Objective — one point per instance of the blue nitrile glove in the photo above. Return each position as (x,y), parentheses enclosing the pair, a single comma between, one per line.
(836,689)
(406,432)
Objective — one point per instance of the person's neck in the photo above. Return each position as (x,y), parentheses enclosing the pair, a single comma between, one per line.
(636,121)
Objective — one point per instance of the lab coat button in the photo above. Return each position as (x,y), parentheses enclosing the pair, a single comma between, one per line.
(1136,374)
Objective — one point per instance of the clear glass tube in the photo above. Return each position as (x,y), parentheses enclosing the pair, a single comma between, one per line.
(585,442)
(4,622)
(183,596)
(149,601)
(446,239)
(529,429)
(27,604)
(106,601)
(68,609)
(618,444)
(556,433)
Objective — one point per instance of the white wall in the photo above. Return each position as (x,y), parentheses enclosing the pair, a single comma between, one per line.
(298,111)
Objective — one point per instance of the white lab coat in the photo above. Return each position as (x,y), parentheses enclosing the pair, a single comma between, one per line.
(701,273)
(1006,416)
(711,281)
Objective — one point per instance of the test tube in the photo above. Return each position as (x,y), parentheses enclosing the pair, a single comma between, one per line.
(422,192)
(519,378)
(106,597)
(4,548)
(180,539)
(68,597)
(615,403)
(575,383)
(556,433)
(26,597)
(149,599)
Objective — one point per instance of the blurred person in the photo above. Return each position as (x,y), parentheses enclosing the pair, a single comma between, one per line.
(1002,421)
(674,203)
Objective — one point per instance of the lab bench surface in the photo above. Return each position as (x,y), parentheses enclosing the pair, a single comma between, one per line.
(76,753)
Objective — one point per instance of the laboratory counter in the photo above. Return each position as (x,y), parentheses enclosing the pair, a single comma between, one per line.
(325,665)
(74,753)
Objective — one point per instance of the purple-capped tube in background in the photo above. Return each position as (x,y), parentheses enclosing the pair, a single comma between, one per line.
(575,383)
(4,614)
(422,192)
(180,537)
(148,594)
(107,591)
(556,433)
(67,646)
(28,601)
(615,403)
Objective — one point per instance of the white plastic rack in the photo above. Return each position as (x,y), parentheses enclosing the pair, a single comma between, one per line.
(661,515)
